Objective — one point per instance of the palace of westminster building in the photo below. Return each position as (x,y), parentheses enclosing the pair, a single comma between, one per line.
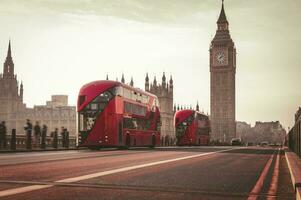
(55,114)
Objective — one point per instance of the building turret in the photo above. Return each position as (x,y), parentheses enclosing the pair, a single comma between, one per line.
(164,81)
(155,82)
(171,84)
(197,107)
(9,50)
(132,82)
(122,79)
(21,91)
(8,66)
(146,82)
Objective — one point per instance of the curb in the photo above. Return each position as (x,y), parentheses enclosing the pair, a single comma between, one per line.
(296,183)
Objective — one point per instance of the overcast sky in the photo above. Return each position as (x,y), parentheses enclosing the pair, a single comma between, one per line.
(59,45)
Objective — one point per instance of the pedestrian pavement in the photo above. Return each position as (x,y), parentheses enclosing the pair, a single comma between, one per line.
(294,165)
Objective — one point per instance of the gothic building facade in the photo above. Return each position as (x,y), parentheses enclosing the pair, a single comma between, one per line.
(222,82)
(11,94)
(164,92)
(55,114)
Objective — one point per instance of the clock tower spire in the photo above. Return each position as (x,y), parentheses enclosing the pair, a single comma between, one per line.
(222,16)
(222,81)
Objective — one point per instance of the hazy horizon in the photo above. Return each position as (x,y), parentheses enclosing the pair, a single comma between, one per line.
(59,45)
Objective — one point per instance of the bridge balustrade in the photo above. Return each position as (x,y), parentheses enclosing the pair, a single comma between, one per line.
(18,142)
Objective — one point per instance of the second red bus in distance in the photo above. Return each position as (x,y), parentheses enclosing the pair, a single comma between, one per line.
(192,128)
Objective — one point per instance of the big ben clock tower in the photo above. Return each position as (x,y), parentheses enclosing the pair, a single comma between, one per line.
(222,82)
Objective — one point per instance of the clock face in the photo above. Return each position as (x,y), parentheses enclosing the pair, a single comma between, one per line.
(220,57)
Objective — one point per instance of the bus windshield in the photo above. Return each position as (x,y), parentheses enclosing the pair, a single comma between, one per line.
(88,116)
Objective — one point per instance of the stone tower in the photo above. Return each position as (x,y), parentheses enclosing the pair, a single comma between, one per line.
(164,92)
(222,82)
(11,97)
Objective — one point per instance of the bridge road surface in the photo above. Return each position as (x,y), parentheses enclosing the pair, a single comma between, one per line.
(162,173)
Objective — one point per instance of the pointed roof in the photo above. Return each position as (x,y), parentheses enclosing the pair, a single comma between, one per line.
(9,50)
(222,16)
(132,82)
(155,81)
(122,78)
(163,77)
(170,80)
(197,106)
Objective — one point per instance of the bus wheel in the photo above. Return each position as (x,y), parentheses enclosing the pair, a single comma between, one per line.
(153,141)
(127,141)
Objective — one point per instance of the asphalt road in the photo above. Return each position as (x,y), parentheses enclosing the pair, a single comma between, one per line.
(161,173)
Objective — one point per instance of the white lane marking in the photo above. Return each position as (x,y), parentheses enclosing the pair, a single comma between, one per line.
(99,174)
(25,160)
(23,189)
(274,182)
(254,194)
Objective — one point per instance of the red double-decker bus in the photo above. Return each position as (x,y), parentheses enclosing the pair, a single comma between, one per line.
(113,114)
(192,128)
